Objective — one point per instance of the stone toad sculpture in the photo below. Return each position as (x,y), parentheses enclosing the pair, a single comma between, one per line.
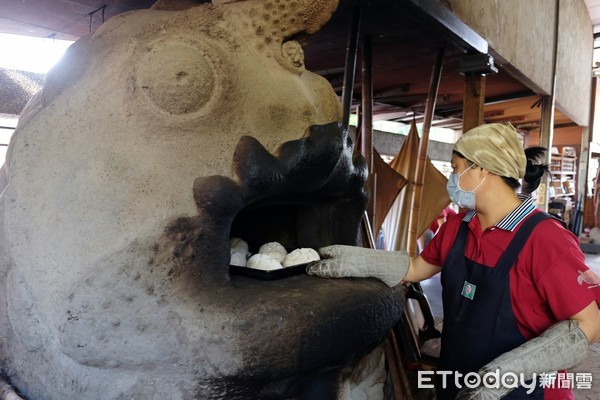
(122,182)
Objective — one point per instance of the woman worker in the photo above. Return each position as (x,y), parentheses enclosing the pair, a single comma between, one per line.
(517,295)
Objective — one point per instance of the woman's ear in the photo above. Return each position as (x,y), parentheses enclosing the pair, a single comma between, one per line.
(483,172)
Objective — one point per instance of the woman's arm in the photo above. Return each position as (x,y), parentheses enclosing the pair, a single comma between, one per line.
(419,270)
(562,346)
(391,267)
(589,321)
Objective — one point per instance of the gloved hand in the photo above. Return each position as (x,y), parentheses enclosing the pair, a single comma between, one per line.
(562,346)
(350,261)
(6,390)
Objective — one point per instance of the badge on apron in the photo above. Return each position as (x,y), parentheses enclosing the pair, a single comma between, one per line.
(468,290)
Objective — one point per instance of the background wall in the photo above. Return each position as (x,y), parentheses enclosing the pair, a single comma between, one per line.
(389,144)
(574,62)
(570,136)
(521,38)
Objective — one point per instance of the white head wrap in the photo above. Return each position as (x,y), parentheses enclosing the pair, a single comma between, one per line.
(495,147)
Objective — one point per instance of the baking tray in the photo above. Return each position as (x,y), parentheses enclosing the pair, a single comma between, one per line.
(268,275)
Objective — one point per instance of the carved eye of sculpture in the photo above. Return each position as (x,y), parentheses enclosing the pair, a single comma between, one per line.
(176,77)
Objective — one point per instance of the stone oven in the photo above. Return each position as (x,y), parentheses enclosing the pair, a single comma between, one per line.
(153,142)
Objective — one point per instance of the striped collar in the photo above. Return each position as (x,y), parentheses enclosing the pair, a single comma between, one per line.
(513,218)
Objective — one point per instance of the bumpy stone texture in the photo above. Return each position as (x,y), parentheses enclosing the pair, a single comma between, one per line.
(120,185)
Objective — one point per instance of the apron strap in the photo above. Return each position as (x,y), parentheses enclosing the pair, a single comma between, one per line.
(458,247)
(508,258)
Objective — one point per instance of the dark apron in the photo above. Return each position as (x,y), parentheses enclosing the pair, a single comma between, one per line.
(479,324)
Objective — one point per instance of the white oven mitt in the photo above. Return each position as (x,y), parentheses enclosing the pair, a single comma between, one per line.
(341,261)
(6,390)
(562,346)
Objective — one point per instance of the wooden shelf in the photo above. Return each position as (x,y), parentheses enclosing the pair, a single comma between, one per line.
(562,188)
(563,165)
(555,196)
(563,170)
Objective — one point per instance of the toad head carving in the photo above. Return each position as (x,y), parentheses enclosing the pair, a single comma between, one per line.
(154,140)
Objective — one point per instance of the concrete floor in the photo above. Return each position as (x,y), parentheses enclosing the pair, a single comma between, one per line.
(433,290)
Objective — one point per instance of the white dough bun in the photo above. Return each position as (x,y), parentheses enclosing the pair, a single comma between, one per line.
(237,258)
(274,250)
(238,245)
(263,262)
(301,256)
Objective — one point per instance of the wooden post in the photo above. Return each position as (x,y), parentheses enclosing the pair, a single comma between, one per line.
(473,101)
(419,175)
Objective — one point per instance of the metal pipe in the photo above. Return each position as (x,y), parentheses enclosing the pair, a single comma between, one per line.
(91,14)
(350,68)
(547,120)
(367,121)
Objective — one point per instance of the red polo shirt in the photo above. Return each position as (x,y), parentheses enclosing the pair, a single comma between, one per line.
(549,282)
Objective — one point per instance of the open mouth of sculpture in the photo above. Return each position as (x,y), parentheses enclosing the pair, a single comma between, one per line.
(308,195)
(277,238)
(295,223)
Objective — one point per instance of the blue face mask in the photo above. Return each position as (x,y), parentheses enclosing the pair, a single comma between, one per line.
(460,197)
